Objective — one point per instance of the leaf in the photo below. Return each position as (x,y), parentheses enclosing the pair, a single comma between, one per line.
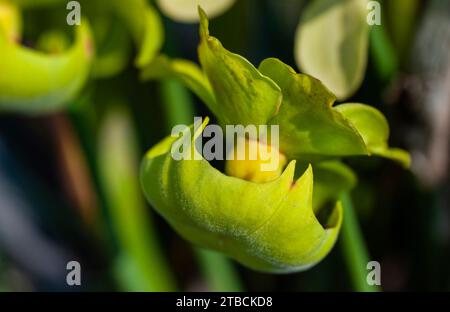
(145,26)
(374,129)
(35,82)
(243,95)
(331,44)
(185,71)
(266,226)
(310,127)
(185,11)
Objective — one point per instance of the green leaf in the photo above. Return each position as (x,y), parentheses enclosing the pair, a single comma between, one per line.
(243,95)
(266,226)
(331,44)
(36,82)
(185,11)
(310,127)
(374,129)
(185,71)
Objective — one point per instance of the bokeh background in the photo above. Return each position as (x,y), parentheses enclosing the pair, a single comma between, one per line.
(69,187)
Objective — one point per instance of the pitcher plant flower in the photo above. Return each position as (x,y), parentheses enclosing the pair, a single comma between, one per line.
(287,221)
(48,75)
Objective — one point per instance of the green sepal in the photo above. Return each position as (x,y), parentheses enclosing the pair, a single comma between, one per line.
(243,95)
(312,129)
(374,129)
(185,71)
(309,125)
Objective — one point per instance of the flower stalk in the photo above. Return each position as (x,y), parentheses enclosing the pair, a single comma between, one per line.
(354,248)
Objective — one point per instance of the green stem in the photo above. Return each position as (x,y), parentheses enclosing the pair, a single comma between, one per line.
(221,273)
(141,266)
(179,109)
(383,53)
(402,18)
(178,106)
(354,248)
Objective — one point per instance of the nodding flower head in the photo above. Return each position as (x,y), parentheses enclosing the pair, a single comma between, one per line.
(280,220)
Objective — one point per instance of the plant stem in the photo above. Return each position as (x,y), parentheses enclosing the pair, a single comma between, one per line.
(179,109)
(178,106)
(401,16)
(220,272)
(141,265)
(383,53)
(74,169)
(354,248)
